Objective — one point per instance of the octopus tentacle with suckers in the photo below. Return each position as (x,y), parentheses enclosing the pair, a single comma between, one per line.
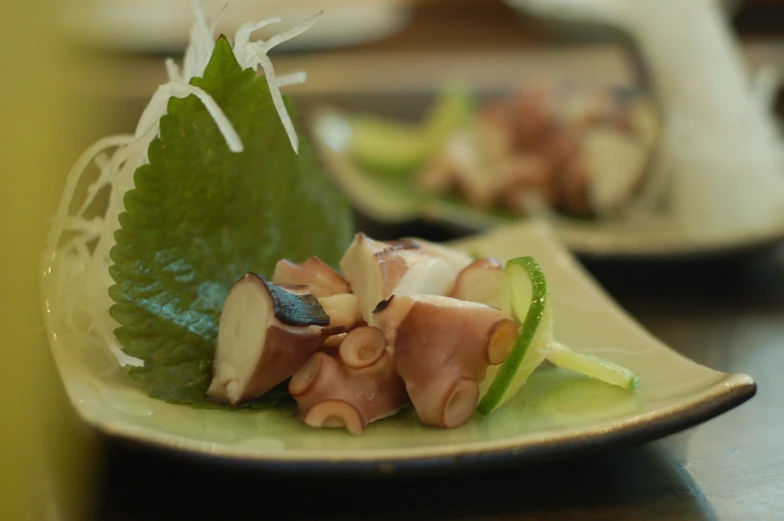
(396,327)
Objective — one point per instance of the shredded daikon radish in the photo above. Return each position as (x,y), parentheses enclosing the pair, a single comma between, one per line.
(124,359)
(173,70)
(90,228)
(102,161)
(181,89)
(277,99)
(202,42)
(242,39)
(295,31)
(294,78)
(83,300)
(256,55)
(72,182)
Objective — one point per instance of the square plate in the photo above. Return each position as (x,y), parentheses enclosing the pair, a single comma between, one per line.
(558,414)
(393,202)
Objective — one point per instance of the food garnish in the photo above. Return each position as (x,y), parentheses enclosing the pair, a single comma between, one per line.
(530,304)
(211,187)
(593,366)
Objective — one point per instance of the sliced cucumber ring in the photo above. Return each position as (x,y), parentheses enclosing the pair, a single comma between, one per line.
(535,342)
(531,306)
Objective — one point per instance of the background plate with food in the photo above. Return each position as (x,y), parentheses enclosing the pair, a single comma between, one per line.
(576,157)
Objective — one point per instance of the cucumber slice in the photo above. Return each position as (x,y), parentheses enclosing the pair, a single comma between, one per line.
(531,306)
(592,366)
(398,149)
(535,343)
(387,147)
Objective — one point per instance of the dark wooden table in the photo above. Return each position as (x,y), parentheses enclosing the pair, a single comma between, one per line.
(725,313)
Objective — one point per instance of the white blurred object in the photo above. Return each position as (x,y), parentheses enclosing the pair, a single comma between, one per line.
(720,161)
(163,25)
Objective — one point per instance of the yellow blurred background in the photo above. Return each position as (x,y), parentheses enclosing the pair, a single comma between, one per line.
(44,452)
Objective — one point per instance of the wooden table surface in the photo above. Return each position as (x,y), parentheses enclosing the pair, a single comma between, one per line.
(727,314)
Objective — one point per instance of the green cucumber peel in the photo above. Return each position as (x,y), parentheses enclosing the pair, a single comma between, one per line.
(535,304)
(396,149)
(531,307)
(592,366)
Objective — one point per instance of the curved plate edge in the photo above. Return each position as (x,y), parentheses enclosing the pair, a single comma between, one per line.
(728,394)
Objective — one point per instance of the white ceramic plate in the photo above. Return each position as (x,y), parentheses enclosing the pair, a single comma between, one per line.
(391,203)
(163,26)
(558,414)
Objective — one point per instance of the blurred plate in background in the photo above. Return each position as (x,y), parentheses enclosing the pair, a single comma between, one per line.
(163,26)
(394,203)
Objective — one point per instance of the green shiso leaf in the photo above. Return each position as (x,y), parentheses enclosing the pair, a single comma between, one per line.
(201,216)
